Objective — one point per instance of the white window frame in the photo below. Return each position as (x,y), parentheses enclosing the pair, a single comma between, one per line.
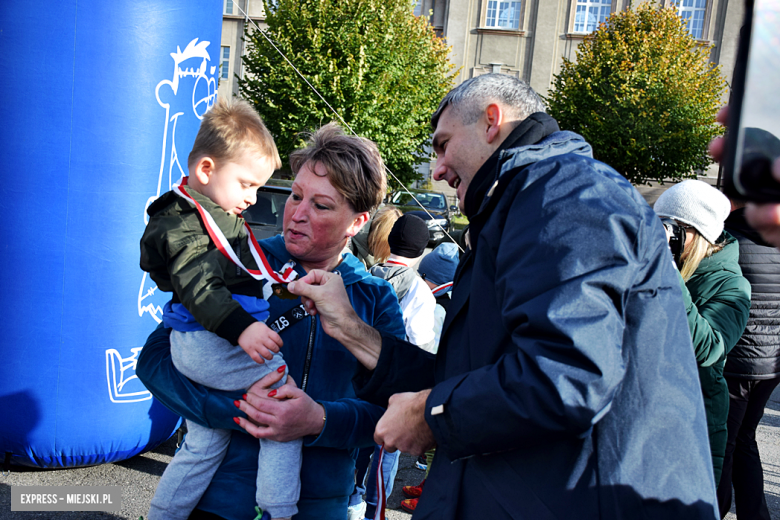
(587,4)
(491,14)
(225,5)
(224,63)
(692,10)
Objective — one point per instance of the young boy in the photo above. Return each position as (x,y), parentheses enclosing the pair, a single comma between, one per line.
(217,310)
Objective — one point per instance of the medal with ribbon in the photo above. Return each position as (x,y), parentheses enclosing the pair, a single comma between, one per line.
(279,279)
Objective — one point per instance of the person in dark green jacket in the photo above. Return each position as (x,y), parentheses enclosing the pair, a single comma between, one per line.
(716,295)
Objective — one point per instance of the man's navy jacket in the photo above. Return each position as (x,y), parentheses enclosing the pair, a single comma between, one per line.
(565,381)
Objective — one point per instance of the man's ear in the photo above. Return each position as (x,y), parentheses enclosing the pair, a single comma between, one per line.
(358,223)
(494,116)
(204,169)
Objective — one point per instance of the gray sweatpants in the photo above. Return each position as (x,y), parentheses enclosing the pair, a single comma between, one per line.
(212,361)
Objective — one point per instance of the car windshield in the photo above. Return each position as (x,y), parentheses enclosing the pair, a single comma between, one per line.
(268,210)
(427,200)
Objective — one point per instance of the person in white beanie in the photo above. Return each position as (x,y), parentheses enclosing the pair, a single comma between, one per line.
(716,295)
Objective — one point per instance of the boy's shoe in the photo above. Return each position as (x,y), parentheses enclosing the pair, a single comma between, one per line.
(409,505)
(421,463)
(413,491)
(356,512)
(262,515)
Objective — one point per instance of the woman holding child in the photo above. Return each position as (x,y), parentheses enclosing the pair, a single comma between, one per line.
(339,180)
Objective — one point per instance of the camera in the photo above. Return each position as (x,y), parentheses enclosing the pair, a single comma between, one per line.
(752,141)
(676,239)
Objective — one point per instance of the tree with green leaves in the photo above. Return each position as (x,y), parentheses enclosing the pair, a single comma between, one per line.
(381,68)
(644,94)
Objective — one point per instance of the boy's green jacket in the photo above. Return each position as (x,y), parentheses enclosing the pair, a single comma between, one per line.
(180,257)
(717,300)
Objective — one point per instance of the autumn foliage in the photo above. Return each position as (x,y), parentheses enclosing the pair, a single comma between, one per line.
(381,68)
(644,94)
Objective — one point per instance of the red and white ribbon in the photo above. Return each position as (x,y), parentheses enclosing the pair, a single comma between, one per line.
(440,288)
(265,272)
(380,487)
(395,262)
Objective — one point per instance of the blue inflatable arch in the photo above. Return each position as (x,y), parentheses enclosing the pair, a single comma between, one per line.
(102,104)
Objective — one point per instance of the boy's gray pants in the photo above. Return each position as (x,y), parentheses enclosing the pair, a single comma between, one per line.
(212,361)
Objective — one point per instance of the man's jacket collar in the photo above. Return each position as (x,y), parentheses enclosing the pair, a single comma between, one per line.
(533,129)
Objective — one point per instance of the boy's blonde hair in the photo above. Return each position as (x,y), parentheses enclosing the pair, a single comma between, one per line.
(229,129)
(380,230)
(353,165)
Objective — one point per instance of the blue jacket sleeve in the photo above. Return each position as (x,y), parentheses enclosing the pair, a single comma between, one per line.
(194,402)
(349,424)
(401,367)
(562,281)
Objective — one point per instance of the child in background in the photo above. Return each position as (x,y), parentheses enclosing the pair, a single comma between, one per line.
(407,241)
(218,309)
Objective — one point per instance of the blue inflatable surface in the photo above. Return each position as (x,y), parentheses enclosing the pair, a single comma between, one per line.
(103,101)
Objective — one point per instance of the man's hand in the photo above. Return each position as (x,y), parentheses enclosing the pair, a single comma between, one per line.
(260,342)
(403,425)
(323,293)
(281,415)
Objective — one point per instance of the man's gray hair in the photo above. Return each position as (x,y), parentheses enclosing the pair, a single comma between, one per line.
(470,98)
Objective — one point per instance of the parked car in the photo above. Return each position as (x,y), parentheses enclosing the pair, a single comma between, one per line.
(438,216)
(266,215)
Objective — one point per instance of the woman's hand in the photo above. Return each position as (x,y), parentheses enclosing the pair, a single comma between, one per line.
(281,415)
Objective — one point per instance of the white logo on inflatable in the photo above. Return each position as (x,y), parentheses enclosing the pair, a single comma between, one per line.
(123,385)
(190,67)
(189,93)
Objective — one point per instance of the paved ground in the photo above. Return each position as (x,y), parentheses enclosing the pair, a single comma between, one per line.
(138,478)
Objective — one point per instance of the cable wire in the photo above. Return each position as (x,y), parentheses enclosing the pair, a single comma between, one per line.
(263,32)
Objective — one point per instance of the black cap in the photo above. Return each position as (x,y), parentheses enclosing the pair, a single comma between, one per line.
(408,237)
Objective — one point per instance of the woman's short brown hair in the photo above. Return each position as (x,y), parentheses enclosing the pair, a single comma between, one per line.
(353,165)
(231,128)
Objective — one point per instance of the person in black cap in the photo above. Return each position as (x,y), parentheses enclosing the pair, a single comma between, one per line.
(407,241)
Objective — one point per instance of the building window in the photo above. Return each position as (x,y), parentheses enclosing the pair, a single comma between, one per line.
(418,8)
(692,12)
(225,65)
(590,13)
(503,15)
(228,6)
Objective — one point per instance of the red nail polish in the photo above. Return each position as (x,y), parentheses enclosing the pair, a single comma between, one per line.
(244,397)
(281,369)
(272,393)
(235,420)
(238,405)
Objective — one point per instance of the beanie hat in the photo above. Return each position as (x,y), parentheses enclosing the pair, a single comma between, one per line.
(408,237)
(697,204)
(438,267)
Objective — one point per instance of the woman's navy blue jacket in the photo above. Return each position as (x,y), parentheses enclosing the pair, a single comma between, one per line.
(565,382)
(325,372)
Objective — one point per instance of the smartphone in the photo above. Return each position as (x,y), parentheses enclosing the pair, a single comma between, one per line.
(753,138)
